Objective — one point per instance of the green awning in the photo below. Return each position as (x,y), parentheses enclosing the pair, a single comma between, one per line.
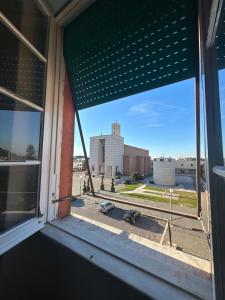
(117,48)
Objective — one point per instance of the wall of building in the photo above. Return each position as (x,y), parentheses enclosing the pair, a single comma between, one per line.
(114,151)
(96,154)
(136,160)
(66,167)
(79,164)
(186,166)
(164,171)
(135,151)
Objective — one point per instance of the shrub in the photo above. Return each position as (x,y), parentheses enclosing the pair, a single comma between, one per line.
(136,176)
(128,181)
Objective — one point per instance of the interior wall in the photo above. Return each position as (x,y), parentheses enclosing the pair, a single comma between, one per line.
(40,268)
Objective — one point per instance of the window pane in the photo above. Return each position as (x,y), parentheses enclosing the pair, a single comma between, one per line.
(20,71)
(18,194)
(19,131)
(28,18)
(220,47)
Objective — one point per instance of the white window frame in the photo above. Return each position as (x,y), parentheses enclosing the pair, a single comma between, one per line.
(20,232)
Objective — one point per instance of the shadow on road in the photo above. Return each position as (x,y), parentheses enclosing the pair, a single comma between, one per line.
(78,202)
(148,223)
(143,222)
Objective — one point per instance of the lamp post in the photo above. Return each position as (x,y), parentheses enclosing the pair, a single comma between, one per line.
(171,196)
(102,184)
(80,183)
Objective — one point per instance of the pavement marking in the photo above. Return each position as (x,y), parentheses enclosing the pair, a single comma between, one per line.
(99,224)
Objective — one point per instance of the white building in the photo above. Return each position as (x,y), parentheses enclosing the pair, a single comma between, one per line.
(164,171)
(79,163)
(109,155)
(186,166)
(106,153)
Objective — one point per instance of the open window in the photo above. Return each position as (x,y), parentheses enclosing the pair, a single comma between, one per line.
(23,67)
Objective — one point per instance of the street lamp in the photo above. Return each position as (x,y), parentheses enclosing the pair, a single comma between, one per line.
(80,183)
(171,196)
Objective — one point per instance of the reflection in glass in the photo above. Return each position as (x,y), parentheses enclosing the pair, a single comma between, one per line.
(28,18)
(19,131)
(18,194)
(21,72)
(220,48)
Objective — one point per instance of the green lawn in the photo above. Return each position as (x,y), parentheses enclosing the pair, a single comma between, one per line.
(129,187)
(186,194)
(154,188)
(190,202)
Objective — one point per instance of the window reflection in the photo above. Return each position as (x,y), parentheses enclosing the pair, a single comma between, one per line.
(21,72)
(18,194)
(19,131)
(28,18)
(220,48)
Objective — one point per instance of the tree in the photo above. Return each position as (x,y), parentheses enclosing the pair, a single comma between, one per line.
(31,153)
(136,176)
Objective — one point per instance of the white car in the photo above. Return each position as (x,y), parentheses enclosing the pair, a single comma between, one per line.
(105,206)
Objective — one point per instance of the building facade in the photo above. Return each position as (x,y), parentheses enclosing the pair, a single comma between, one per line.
(186,166)
(136,160)
(109,155)
(79,163)
(164,171)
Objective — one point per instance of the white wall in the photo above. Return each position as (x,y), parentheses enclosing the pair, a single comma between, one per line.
(164,172)
(114,150)
(185,164)
(94,155)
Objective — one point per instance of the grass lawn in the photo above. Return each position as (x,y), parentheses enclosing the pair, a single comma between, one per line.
(190,202)
(188,195)
(129,187)
(154,188)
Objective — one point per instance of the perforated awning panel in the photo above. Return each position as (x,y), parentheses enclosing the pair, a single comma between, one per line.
(117,48)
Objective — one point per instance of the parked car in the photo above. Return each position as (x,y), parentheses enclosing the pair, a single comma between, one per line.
(105,206)
(131,216)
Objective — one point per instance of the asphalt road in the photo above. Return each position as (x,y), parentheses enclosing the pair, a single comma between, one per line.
(145,226)
(187,234)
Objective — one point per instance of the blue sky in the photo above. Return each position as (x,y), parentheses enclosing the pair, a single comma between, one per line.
(160,120)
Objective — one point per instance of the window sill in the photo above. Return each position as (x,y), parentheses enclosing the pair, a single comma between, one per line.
(17,234)
(163,273)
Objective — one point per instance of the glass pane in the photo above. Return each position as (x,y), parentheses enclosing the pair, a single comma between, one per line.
(19,131)
(18,194)
(220,48)
(20,71)
(28,18)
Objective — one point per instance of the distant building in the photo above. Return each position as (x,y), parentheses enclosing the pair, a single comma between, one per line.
(164,171)
(136,160)
(79,163)
(186,166)
(109,155)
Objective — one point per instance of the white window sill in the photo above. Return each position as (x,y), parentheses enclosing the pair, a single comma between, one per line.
(154,271)
(17,234)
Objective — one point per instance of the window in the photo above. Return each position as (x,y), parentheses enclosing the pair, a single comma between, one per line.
(22,94)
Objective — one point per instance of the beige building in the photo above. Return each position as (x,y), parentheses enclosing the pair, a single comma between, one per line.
(136,160)
(109,155)
(186,166)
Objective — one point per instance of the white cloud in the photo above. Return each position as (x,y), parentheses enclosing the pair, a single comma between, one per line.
(153,113)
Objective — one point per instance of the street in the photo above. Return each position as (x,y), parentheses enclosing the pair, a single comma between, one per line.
(187,234)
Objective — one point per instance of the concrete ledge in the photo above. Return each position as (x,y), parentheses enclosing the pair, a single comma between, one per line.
(189,273)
